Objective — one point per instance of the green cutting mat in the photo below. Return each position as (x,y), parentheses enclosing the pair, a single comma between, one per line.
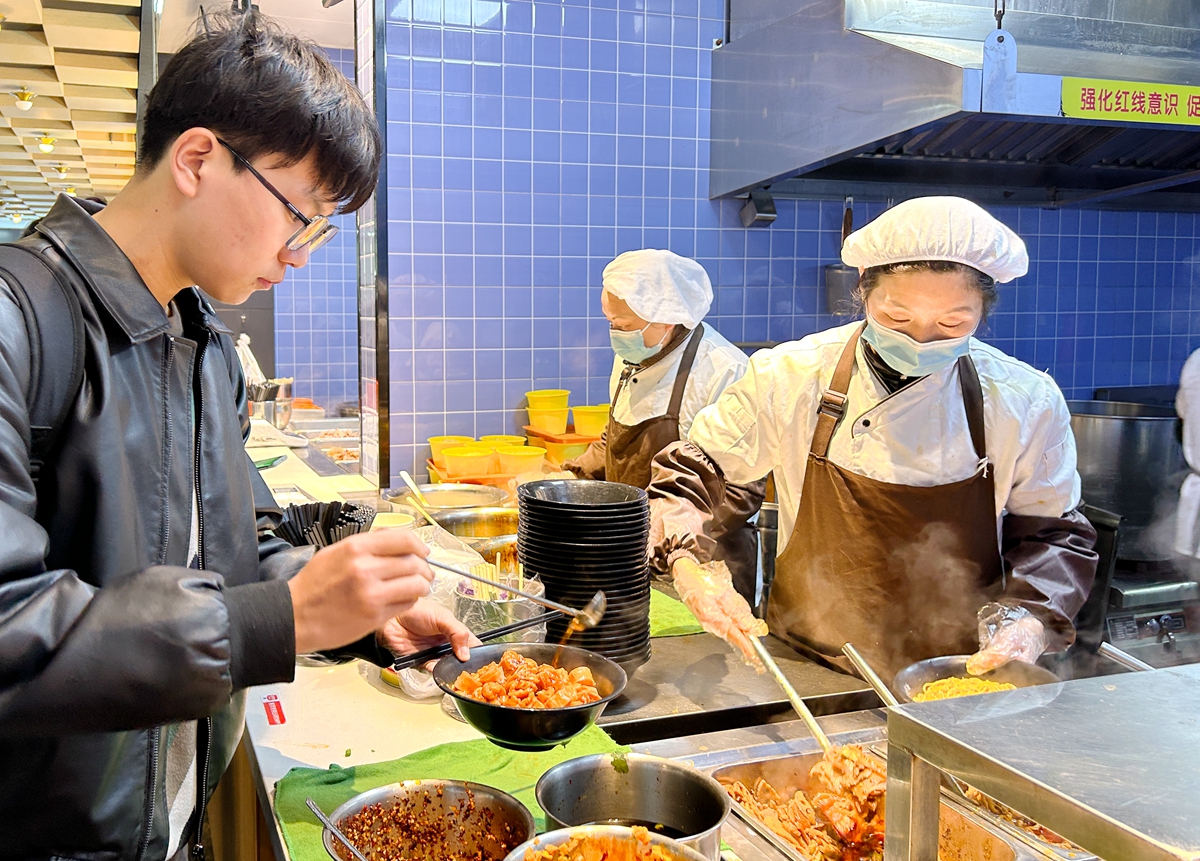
(480,761)
(670,618)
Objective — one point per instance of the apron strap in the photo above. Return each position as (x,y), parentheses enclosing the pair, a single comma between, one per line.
(685,370)
(833,399)
(968,377)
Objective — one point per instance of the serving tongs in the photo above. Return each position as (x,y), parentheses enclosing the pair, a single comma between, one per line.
(790,692)
(889,700)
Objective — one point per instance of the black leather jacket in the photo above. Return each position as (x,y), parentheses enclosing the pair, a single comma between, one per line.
(105,636)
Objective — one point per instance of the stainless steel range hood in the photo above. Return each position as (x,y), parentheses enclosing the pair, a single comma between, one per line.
(1073,102)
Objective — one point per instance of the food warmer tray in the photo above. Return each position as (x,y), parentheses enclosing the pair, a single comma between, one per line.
(1111,763)
(963,837)
(1042,847)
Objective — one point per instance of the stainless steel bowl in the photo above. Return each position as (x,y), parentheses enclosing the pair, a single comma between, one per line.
(444,497)
(911,679)
(496,824)
(476,525)
(675,850)
(634,787)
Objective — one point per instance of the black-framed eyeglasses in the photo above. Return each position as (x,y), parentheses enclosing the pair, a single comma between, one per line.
(313,233)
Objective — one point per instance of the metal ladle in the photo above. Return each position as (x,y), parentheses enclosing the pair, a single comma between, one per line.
(588,617)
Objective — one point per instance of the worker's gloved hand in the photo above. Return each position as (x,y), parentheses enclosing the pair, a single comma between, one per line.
(708,592)
(1006,633)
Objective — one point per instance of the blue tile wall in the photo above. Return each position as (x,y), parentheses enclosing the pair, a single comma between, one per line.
(316,337)
(530,142)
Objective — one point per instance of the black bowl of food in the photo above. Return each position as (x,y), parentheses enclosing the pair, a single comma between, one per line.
(496,689)
(438,820)
(947,677)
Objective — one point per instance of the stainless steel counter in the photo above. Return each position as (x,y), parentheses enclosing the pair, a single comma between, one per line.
(1112,763)
(698,684)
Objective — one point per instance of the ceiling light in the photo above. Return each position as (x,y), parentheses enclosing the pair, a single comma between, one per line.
(2,20)
(24,99)
(17,217)
(70,190)
(60,169)
(46,143)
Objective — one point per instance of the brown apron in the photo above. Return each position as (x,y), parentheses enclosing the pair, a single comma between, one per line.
(630,450)
(898,571)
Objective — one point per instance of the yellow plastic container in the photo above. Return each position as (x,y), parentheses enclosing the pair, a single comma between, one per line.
(467,460)
(548,399)
(550,421)
(438,444)
(499,441)
(591,421)
(560,452)
(516,459)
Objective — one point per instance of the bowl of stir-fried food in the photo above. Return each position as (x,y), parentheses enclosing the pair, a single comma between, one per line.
(947,677)
(530,696)
(430,820)
(603,843)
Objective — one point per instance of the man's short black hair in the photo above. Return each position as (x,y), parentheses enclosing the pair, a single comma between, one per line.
(266,92)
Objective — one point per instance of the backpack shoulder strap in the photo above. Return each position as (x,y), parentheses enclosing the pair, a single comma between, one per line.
(54,321)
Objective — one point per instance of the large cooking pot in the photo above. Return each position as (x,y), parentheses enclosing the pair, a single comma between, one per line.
(1131,463)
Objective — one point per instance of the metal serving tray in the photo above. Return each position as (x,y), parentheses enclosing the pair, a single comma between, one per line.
(963,838)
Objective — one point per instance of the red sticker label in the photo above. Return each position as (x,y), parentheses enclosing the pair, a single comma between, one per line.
(274,709)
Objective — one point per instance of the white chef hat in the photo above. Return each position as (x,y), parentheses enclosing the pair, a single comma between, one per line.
(660,286)
(938,228)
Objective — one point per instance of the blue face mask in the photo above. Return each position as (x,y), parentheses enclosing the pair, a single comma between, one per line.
(631,347)
(913,358)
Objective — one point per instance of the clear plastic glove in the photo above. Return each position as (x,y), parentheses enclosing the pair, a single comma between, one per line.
(708,592)
(1006,633)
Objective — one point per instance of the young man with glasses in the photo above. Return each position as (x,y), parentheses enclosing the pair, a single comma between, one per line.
(141,588)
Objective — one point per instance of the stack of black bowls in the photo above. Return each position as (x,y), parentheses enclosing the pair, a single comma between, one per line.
(580,537)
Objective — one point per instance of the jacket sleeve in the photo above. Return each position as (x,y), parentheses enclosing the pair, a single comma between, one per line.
(153,647)
(1051,565)
(692,505)
(278,559)
(590,464)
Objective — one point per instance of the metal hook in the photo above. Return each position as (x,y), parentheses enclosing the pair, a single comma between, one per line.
(998,9)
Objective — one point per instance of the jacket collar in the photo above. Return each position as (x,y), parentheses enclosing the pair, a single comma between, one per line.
(111,275)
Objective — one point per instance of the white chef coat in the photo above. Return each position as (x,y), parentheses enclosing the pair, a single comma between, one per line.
(647,393)
(1187,405)
(917,436)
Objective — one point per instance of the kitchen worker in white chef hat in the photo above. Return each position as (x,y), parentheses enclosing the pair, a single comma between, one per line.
(667,367)
(926,481)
